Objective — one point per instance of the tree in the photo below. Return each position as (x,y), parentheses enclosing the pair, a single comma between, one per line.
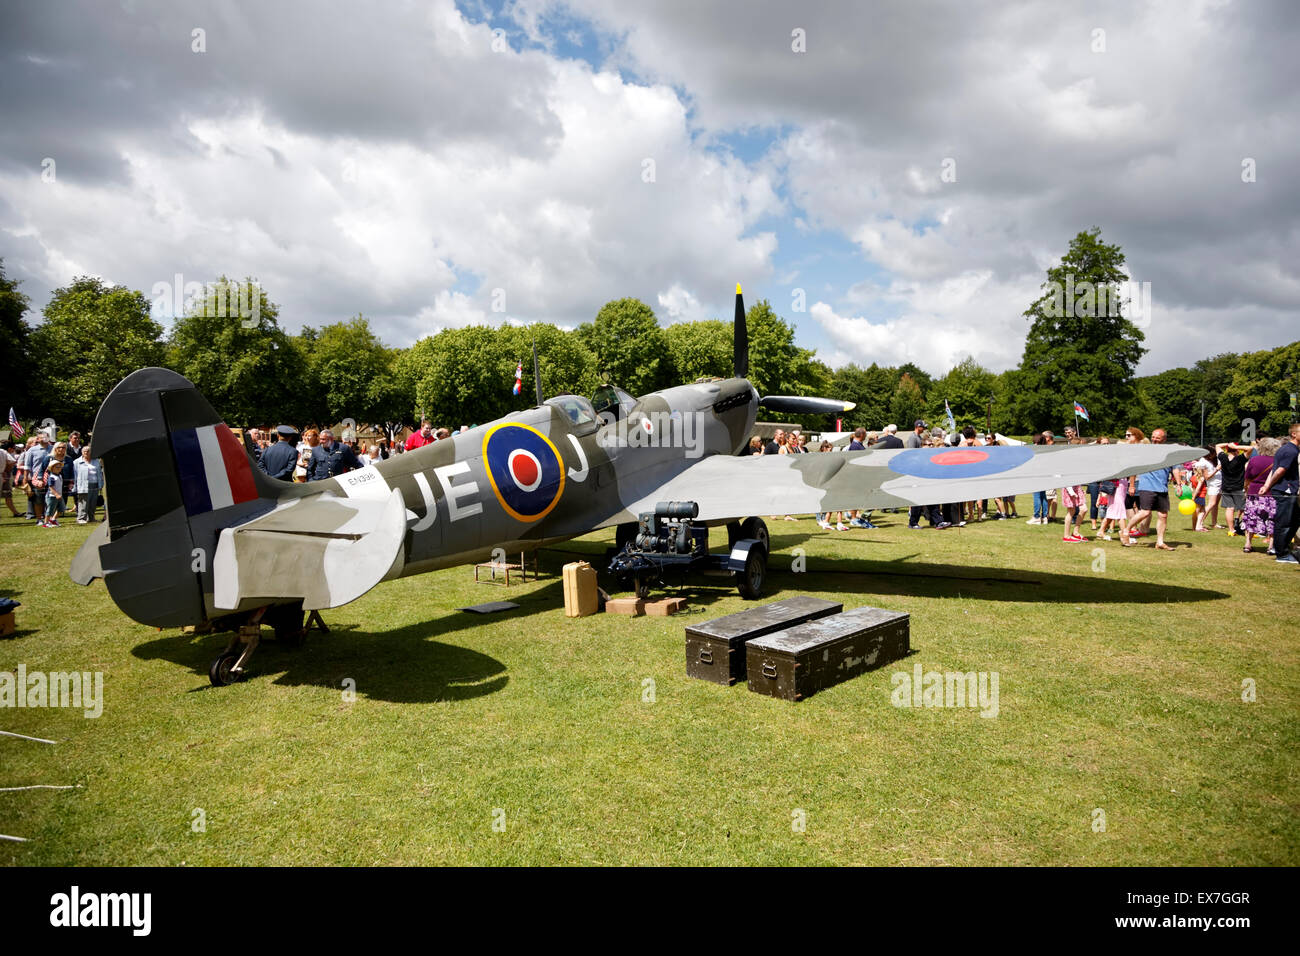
(93,336)
(630,348)
(1260,393)
(244,364)
(776,365)
(1172,401)
(1080,347)
(967,388)
(700,349)
(464,376)
(15,346)
(352,372)
(871,389)
(908,404)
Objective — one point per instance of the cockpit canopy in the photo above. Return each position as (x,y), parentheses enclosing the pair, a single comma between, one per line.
(578,410)
(612,399)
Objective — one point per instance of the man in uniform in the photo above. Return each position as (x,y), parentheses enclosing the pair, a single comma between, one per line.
(330,459)
(279,460)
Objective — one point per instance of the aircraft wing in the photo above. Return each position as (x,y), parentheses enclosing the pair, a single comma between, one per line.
(735,487)
(323,549)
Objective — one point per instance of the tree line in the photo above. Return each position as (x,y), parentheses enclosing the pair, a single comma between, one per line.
(254,372)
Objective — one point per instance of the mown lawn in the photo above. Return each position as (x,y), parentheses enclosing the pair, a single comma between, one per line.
(1120,690)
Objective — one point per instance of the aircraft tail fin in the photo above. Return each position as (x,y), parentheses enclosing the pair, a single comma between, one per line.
(175,475)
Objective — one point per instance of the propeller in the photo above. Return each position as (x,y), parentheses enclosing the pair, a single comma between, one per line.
(791,404)
(740,339)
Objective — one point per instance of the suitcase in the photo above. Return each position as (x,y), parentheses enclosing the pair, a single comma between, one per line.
(580,595)
(799,661)
(715,650)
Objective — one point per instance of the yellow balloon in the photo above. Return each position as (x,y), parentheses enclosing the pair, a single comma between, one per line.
(1187,506)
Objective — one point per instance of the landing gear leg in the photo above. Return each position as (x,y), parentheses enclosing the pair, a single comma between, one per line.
(229,665)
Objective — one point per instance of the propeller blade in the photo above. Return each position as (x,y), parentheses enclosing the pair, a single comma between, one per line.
(800,405)
(740,338)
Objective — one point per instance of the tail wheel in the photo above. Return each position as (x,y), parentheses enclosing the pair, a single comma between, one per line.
(220,673)
(753,579)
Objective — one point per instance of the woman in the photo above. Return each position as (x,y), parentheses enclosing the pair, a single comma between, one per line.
(1260,509)
(1206,470)
(756,446)
(310,439)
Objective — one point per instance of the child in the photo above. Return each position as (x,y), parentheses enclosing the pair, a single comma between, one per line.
(1072,501)
(53,493)
(1117,513)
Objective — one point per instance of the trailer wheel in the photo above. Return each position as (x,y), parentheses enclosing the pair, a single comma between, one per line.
(756,528)
(751,581)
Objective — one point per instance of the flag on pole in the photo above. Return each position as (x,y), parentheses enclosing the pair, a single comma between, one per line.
(14,425)
(952,424)
(519,377)
(1081,412)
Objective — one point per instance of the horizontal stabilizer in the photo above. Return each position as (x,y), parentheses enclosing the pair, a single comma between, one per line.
(323,550)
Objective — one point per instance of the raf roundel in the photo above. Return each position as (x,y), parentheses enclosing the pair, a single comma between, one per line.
(526,470)
(970,462)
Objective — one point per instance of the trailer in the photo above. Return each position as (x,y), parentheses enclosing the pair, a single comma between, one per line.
(668,546)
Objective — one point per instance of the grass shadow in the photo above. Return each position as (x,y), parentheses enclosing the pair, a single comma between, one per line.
(404,665)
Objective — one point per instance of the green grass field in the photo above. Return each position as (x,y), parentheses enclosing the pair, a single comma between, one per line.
(1120,690)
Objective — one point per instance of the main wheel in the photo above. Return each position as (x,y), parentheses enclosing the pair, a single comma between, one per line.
(220,672)
(756,528)
(751,581)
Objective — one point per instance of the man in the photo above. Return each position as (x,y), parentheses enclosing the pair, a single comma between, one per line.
(1232,466)
(916,438)
(330,459)
(1284,482)
(421,438)
(36,458)
(279,460)
(1153,494)
(890,438)
(774,446)
(859,442)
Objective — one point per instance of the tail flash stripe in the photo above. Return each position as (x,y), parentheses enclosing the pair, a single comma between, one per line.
(189,469)
(214,468)
(238,470)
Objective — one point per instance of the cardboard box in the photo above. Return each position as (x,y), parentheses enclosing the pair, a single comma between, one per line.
(634,607)
(7,625)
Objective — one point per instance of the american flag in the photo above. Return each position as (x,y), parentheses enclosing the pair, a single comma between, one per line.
(14,425)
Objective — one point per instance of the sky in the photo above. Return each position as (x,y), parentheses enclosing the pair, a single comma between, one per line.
(895,178)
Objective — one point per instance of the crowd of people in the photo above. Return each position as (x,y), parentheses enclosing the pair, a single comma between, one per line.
(318,454)
(54,476)
(1254,484)
(1252,487)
